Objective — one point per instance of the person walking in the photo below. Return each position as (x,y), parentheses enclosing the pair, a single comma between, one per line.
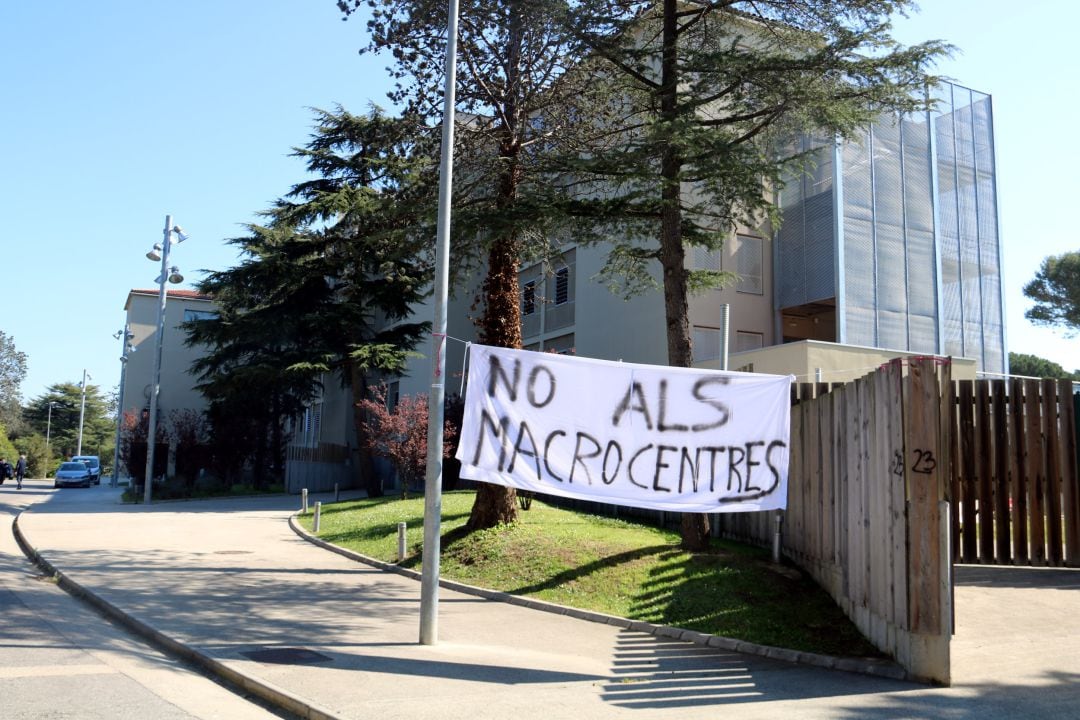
(5,470)
(20,471)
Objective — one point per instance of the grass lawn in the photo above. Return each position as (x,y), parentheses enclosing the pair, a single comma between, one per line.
(612,566)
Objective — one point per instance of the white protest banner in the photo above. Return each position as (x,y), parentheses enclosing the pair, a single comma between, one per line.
(665,438)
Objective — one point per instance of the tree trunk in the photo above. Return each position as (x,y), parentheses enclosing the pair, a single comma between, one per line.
(695,526)
(495,505)
(366,470)
(500,325)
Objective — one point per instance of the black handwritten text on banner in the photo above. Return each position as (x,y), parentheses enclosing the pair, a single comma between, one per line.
(665,438)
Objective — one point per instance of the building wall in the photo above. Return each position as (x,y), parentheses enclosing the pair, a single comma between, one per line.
(177,385)
(815,361)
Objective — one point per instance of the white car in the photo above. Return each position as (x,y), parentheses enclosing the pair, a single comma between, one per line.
(92,462)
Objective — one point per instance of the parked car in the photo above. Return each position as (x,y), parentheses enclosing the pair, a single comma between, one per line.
(92,462)
(73,474)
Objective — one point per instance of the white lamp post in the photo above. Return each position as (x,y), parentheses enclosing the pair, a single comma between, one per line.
(126,348)
(429,577)
(82,411)
(160,252)
(48,425)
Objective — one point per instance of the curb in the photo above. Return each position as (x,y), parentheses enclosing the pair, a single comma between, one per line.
(267,692)
(864,666)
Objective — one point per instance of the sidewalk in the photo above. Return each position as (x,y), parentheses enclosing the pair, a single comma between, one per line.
(229,583)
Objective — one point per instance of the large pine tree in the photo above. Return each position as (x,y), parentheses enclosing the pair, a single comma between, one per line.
(327,285)
(512,56)
(699,100)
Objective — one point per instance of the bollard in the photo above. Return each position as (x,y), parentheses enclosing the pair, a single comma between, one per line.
(318,517)
(400,541)
(778,519)
(303,501)
(337,494)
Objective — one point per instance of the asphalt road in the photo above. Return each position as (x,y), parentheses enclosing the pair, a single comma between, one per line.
(60,659)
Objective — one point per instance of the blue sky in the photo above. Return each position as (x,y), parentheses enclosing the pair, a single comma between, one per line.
(117,113)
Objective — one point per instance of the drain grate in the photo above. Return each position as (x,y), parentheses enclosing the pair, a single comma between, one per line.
(287,656)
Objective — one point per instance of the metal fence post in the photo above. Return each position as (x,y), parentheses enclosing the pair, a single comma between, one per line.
(318,516)
(303,501)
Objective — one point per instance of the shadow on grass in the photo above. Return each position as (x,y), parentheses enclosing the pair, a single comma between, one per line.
(744,596)
(589,568)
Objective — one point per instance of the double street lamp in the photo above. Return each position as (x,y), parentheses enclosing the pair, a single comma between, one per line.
(160,251)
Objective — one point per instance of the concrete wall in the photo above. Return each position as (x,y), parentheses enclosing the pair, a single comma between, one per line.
(838,363)
(177,384)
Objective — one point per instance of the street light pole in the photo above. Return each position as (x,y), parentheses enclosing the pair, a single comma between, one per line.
(48,425)
(82,411)
(167,275)
(125,348)
(429,576)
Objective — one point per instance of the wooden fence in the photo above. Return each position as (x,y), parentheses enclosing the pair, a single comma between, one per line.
(867,511)
(1014,484)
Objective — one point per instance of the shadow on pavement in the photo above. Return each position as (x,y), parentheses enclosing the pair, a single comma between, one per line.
(1017,577)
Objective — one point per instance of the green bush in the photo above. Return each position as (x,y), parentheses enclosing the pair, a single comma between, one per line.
(7,450)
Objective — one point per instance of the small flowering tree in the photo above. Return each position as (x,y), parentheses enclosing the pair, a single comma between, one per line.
(400,435)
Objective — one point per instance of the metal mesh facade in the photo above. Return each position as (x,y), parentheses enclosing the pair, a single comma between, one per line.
(913,260)
(806,236)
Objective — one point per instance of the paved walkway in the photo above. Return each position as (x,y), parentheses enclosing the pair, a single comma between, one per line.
(228,582)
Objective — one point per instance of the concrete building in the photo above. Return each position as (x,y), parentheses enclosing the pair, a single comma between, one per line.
(177,385)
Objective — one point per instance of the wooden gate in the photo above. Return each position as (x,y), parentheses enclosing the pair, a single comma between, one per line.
(1013,482)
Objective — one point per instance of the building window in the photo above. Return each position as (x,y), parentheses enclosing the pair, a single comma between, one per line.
(706,344)
(748,341)
(748,264)
(190,315)
(705,259)
(393,395)
(562,286)
(562,345)
(528,298)
(311,425)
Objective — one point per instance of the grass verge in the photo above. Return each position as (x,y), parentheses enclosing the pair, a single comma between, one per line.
(611,566)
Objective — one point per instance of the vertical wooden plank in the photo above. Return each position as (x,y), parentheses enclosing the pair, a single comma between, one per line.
(843,494)
(866,463)
(946,437)
(1051,447)
(952,419)
(1000,432)
(799,440)
(984,471)
(1036,470)
(824,530)
(838,486)
(880,571)
(813,477)
(969,548)
(807,470)
(897,499)
(853,523)
(927,596)
(1019,484)
(1070,489)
